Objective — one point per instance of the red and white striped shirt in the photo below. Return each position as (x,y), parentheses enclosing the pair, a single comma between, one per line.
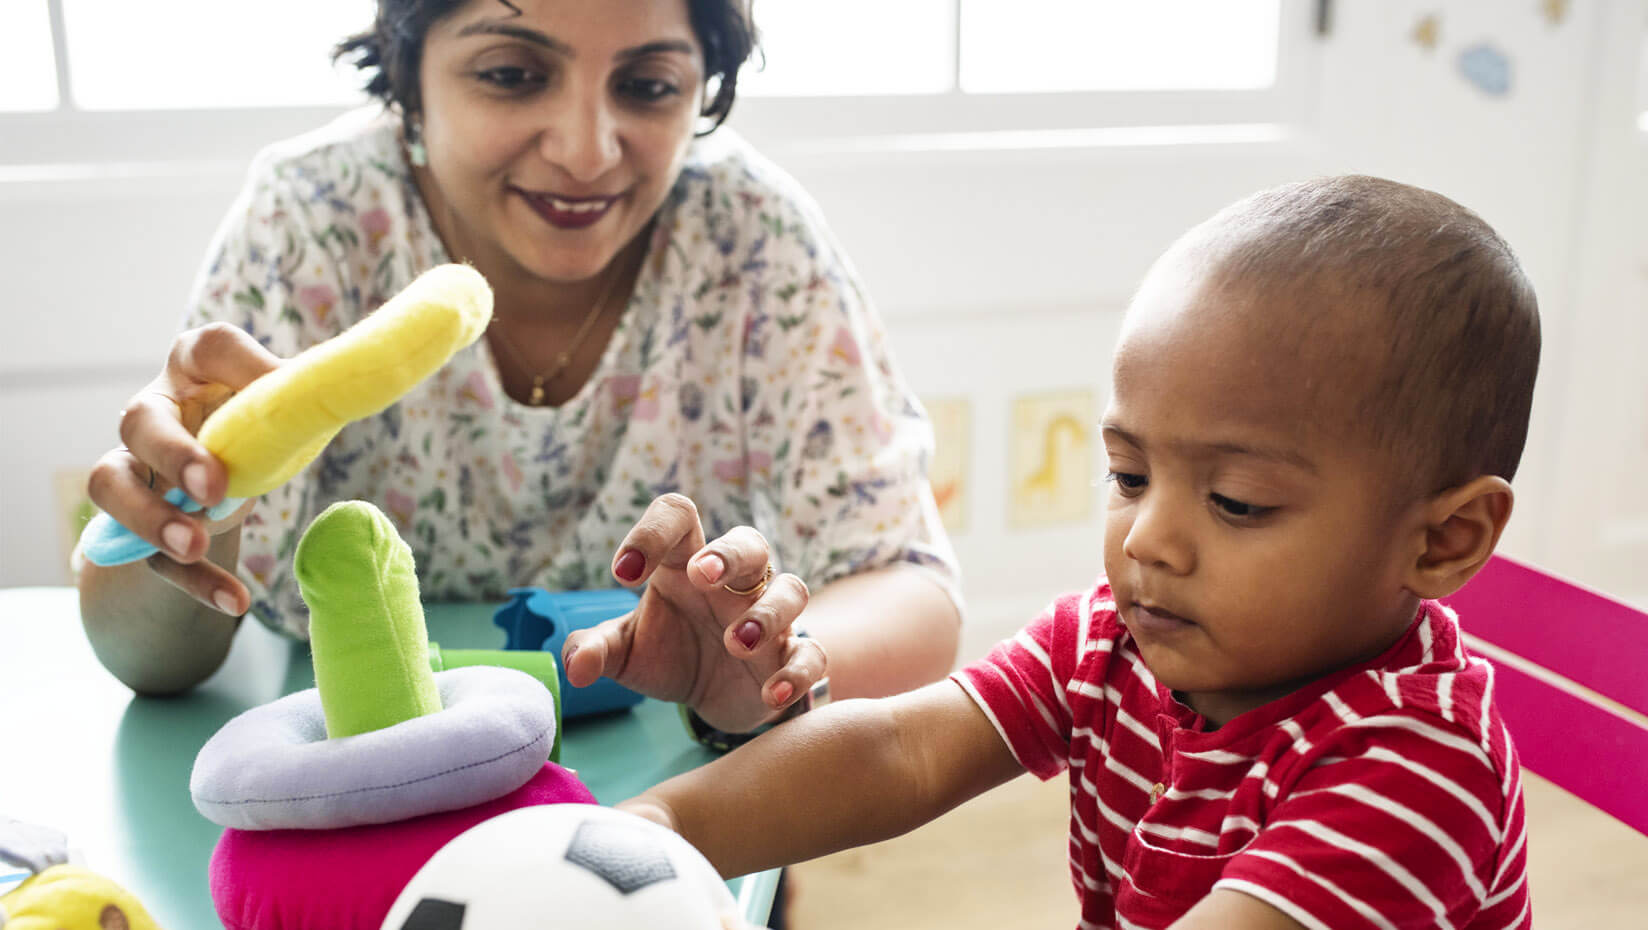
(1384,795)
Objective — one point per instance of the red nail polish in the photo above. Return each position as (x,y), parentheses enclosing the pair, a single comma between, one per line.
(749,634)
(630,565)
(782,692)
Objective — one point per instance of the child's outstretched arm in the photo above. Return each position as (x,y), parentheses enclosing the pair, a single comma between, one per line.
(851,773)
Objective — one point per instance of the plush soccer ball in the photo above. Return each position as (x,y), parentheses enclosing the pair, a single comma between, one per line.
(565,865)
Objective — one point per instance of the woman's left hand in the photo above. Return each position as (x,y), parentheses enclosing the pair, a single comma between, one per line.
(712,631)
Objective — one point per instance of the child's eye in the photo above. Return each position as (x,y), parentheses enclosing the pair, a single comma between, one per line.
(1238,509)
(647,90)
(510,77)
(1128,484)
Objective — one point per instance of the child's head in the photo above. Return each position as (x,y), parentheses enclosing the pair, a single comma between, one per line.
(1320,396)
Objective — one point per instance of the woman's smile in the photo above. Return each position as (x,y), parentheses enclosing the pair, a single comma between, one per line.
(567,212)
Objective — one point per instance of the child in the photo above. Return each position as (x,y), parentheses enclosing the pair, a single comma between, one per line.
(1320,396)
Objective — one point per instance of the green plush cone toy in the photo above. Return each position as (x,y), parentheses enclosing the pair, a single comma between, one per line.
(366,625)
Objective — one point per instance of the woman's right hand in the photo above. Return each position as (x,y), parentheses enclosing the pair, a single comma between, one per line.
(206,366)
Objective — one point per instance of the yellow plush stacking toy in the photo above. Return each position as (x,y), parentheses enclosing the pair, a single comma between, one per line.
(279,423)
(268,432)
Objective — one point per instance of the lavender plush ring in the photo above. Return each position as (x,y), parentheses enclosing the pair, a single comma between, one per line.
(273,768)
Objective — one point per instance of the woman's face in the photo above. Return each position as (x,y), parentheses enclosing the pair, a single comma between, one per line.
(555,134)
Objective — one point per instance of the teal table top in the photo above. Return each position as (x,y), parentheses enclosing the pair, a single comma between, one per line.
(80,753)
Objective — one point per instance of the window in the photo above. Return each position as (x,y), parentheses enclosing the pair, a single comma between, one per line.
(177,54)
(874,68)
(1012,46)
(211,80)
(28,64)
(200,54)
(817,49)
(194,84)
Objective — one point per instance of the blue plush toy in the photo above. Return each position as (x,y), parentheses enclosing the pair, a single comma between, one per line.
(539,620)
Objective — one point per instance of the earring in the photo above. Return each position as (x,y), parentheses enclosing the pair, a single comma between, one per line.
(415,152)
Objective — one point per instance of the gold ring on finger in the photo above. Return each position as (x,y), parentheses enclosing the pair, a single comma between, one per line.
(755,589)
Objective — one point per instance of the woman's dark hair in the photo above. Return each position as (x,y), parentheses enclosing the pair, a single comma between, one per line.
(390,52)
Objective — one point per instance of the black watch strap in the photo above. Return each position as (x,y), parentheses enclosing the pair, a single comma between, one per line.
(710,737)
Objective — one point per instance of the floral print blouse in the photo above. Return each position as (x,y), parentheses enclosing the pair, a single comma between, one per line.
(748,371)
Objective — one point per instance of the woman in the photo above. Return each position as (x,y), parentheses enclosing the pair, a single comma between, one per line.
(677,345)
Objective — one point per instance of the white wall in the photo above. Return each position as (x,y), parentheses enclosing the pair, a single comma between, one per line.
(1002,271)
(1017,263)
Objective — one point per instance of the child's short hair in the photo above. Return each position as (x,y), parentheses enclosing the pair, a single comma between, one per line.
(1455,373)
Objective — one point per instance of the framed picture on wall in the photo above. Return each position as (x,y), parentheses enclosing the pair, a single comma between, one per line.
(952,433)
(1050,445)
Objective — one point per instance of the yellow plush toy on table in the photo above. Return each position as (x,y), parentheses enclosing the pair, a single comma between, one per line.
(268,432)
(68,897)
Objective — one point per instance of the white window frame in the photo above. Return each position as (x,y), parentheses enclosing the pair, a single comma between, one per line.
(67,139)
(1642,87)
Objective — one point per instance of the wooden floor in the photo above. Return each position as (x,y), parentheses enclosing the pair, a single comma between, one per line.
(999,861)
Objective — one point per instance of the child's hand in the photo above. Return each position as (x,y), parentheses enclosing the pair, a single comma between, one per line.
(206,366)
(650,809)
(659,813)
(713,629)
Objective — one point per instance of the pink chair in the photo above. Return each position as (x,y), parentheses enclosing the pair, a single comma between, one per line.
(1571,669)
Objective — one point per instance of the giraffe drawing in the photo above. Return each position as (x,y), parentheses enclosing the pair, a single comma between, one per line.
(1062,441)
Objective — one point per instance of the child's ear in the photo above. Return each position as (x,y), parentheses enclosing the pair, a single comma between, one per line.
(1462,527)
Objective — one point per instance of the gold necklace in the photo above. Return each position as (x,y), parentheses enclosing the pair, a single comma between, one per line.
(536,398)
